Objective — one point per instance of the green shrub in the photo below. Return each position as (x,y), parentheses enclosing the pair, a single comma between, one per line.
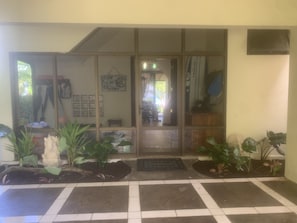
(225,155)
(22,146)
(73,139)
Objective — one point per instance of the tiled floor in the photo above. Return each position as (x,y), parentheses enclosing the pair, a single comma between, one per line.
(189,200)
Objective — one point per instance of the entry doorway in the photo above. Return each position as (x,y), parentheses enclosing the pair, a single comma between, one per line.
(159,132)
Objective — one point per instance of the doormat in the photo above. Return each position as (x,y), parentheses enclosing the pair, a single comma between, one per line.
(160,164)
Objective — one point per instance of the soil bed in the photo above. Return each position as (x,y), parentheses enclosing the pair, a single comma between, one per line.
(258,170)
(90,173)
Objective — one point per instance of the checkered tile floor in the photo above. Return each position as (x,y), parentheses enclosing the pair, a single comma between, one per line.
(178,201)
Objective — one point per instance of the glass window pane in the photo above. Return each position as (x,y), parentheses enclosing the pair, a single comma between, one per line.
(35,102)
(115,77)
(108,40)
(194,138)
(76,89)
(160,40)
(121,136)
(205,40)
(163,141)
(204,91)
(159,92)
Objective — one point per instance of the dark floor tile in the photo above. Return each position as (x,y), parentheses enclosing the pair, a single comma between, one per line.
(188,173)
(264,218)
(202,219)
(19,202)
(96,199)
(287,189)
(168,197)
(243,194)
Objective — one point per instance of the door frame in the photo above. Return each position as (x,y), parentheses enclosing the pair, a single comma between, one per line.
(138,98)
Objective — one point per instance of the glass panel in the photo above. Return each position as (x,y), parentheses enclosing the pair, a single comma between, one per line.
(204,91)
(194,138)
(119,136)
(159,90)
(35,104)
(115,76)
(76,89)
(160,40)
(26,112)
(108,40)
(205,40)
(163,141)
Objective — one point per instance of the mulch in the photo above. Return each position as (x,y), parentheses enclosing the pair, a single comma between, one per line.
(258,170)
(110,172)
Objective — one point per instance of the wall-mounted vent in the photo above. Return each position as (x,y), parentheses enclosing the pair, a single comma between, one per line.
(268,42)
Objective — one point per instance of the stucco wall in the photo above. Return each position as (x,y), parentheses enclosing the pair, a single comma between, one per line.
(291,156)
(153,12)
(257,89)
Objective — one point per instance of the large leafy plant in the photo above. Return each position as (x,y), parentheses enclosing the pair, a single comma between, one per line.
(73,139)
(271,142)
(218,152)
(100,151)
(242,154)
(22,146)
(225,155)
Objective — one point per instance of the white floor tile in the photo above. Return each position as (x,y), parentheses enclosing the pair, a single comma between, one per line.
(20,219)
(133,215)
(158,214)
(216,211)
(209,201)
(120,183)
(151,182)
(192,212)
(110,215)
(134,221)
(47,218)
(66,217)
(222,219)
(235,211)
(134,204)
(274,209)
(133,190)
(234,180)
(176,181)
(92,184)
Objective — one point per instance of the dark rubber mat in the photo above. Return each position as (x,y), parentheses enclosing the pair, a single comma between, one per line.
(160,164)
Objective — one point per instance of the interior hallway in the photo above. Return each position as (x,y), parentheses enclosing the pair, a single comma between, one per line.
(185,199)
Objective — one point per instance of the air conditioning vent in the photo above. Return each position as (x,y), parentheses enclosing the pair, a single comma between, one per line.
(268,42)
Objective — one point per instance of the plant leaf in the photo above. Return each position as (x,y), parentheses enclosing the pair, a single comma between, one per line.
(53,170)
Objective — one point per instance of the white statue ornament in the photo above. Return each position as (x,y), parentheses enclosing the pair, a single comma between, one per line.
(51,155)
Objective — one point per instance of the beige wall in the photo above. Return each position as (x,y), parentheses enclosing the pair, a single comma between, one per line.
(153,12)
(291,156)
(257,89)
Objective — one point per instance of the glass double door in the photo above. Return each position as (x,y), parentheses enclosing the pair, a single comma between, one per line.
(159,106)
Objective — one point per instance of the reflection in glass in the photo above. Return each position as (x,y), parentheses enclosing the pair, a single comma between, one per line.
(204,85)
(159,81)
(116,75)
(26,94)
(76,88)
